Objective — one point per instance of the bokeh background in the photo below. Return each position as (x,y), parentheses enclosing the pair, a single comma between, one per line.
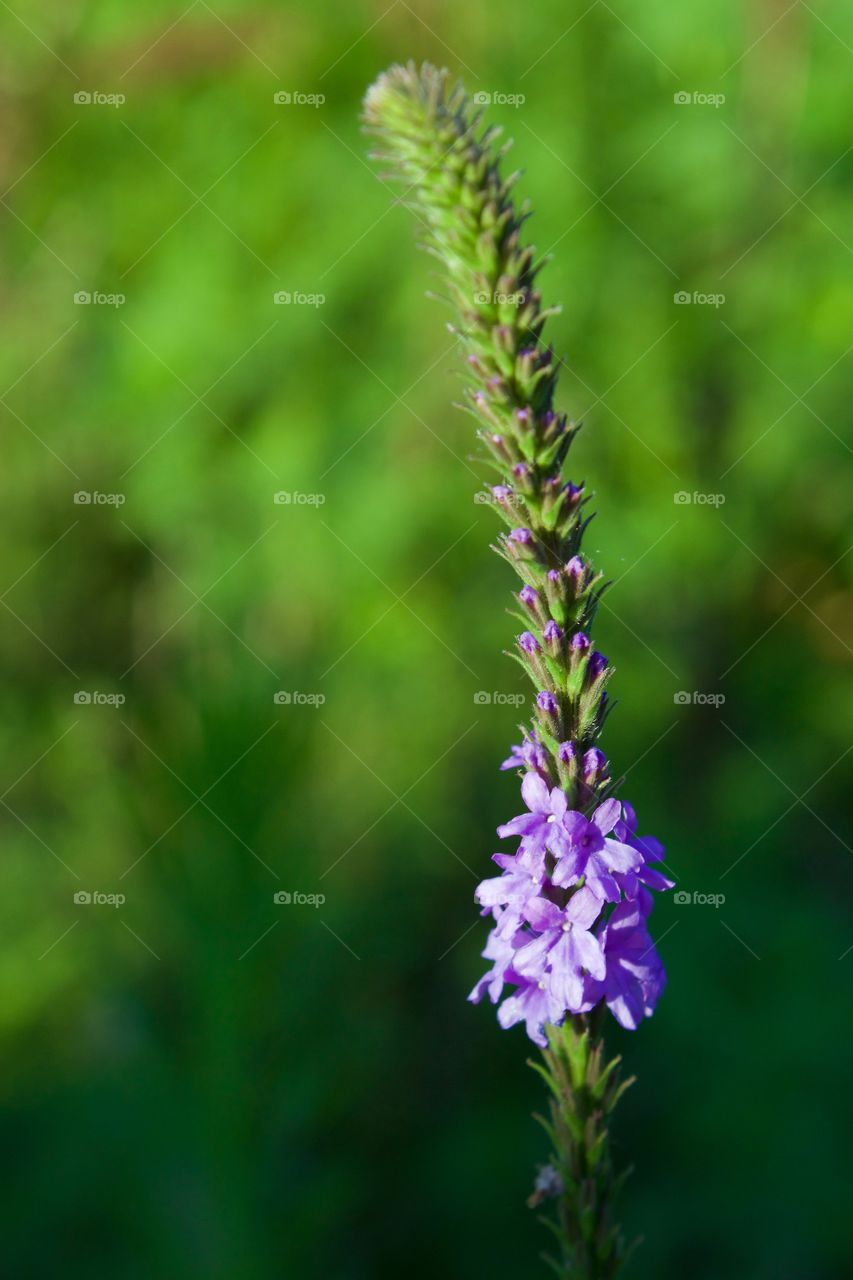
(203,1082)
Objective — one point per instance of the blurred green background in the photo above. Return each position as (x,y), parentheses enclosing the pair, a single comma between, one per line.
(202,1082)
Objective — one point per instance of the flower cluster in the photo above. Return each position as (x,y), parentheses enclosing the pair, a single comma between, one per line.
(570,909)
(570,905)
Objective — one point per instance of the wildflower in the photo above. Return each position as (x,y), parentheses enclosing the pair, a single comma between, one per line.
(542,826)
(591,853)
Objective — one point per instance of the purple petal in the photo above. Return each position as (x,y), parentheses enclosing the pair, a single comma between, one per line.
(566,984)
(589,951)
(629,816)
(651,849)
(607,815)
(543,914)
(655,880)
(559,803)
(621,857)
(583,908)
(530,960)
(535,793)
(523,825)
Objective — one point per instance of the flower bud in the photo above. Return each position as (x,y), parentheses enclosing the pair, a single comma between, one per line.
(553,636)
(546,702)
(567,766)
(529,598)
(596,666)
(519,547)
(555,594)
(576,573)
(505,498)
(528,642)
(498,448)
(595,767)
(524,477)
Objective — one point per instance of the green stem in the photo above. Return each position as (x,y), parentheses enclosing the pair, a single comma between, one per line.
(585,1089)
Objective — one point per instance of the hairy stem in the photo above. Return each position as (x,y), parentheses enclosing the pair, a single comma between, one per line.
(584,1089)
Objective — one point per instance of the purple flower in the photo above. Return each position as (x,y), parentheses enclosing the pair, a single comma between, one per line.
(521,535)
(530,754)
(540,828)
(635,976)
(589,851)
(546,701)
(507,895)
(534,1005)
(564,948)
(637,884)
(502,951)
(527,595)
(528,642)
(580,642)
